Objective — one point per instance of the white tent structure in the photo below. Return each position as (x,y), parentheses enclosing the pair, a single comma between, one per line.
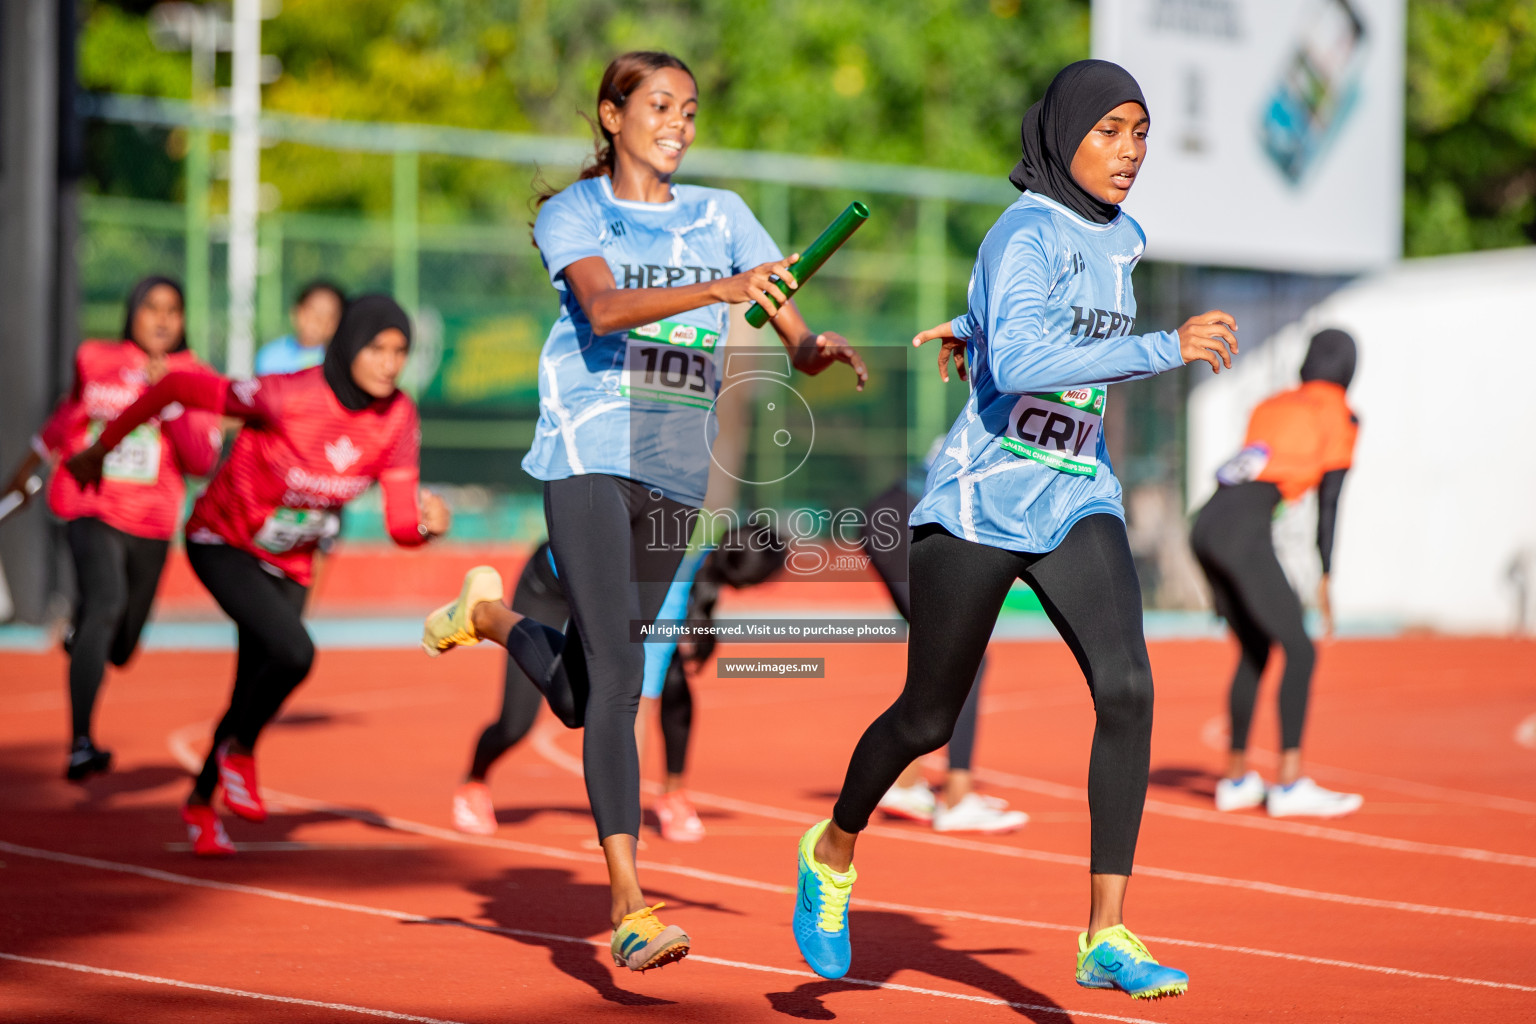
(1438,516)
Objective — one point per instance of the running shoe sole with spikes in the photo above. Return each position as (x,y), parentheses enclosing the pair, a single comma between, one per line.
(641,942)
(1118,960)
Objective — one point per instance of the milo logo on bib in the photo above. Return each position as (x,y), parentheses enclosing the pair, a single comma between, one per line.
(670,332)
(1059,429)
(1084,398)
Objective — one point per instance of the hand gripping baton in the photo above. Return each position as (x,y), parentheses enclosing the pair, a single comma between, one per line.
(816,253)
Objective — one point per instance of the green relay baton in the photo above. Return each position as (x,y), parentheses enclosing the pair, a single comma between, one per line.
(815,254)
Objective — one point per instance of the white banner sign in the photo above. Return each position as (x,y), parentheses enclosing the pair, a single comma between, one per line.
(1277,128)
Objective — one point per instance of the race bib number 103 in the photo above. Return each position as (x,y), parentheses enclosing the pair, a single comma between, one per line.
(671,362)
(1059,429)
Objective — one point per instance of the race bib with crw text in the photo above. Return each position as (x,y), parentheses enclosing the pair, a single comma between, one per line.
(1059,429)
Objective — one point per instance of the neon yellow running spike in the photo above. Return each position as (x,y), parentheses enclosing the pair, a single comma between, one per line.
(1118,959)
(451,625)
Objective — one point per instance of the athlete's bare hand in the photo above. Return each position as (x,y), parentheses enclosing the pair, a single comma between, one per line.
(1210,336)
(435,516)
(952,348)
(757,285)
(85,466)
(832,347)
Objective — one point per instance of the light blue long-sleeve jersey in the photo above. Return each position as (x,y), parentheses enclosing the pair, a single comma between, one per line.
(637,404)
(1049,320)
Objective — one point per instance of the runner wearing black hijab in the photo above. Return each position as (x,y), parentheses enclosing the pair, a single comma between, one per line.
(1297,440)
(312,441)
(1022,488)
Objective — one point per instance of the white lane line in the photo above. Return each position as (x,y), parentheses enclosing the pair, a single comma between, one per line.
(400,915)
(179,742)
(183,752)
(1214,735)
(931,912)
(543,741)
(1337,835)
(220,989)
(1525,732)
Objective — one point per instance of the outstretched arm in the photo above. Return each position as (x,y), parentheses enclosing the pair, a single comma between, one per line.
(956,336)
(193,389)
(1024,357)
(411,522)
(812,352)
(610,308)
(61,425)
(195,437)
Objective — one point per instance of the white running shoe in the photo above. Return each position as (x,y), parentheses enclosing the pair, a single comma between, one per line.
(1240,794)
(974,813)
(912,803)
(1306,798)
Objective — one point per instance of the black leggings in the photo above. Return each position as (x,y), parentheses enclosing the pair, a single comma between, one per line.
(1088,588)
(891,564)
(116,574)
(676,715)
(275,651)
(617,544)
(538,595)
(1232,540)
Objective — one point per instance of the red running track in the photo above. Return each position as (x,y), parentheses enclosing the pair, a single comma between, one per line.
(356,901)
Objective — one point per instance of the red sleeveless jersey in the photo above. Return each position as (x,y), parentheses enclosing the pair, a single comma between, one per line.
(142,490)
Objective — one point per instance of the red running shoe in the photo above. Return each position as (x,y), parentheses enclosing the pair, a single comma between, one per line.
(237,774)
(206,831)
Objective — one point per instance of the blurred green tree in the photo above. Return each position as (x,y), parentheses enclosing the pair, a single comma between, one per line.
(1471,135)
(931,82)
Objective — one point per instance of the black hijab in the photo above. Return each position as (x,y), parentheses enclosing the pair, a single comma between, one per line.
(1330,357)
(360,322)
(1054,127)
(136,299)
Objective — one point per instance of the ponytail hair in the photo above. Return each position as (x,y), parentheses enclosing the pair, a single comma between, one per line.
(622,76)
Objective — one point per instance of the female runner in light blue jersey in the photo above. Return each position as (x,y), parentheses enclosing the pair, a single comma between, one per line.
(646,271)
(1023,489)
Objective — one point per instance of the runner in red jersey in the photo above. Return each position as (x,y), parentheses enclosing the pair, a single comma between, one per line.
(119,533)
(313,441)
